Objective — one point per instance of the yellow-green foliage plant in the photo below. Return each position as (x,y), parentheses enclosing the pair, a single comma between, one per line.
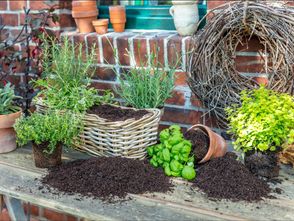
(264,121)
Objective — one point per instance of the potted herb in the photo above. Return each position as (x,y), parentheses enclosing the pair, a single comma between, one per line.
(67,78)
(261,125)
(8,114)
(108,129)
(147,86)
(48,132)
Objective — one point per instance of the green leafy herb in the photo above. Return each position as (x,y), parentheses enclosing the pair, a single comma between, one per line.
(173,154)
(67,76)
(147,85)
(264,121)
(7,98)
(53,127)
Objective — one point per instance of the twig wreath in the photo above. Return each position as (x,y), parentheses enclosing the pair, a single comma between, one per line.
(212,71)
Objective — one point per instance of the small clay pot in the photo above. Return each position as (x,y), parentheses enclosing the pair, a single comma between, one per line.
(45,160)
(84,6)
(217,145)
(7,133)
(101,26)
(118,18)
(117,12)
(84,20)
(118,27)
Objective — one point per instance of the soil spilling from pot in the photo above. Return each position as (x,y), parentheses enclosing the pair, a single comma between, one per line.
(263,164)
(112,113)
(227,178)
(107,178)
(200,143)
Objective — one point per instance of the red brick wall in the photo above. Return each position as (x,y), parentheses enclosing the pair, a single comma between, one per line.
(183,108)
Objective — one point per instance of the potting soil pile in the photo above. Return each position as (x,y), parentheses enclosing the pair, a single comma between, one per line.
(227,178)
(106,178)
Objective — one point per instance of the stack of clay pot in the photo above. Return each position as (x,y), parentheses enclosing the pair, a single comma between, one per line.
(118,17)
(84,12)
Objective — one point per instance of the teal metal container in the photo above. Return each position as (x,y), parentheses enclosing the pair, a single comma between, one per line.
(150,17)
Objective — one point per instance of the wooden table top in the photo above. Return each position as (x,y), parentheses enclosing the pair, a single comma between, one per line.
(18,180)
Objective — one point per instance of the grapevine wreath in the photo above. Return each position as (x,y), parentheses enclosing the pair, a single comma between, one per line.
(212,70)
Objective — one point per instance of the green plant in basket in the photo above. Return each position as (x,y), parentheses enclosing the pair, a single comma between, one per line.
(147,85)
(264,121)
(67,77)
(52,128)
(7,97)
(173,154)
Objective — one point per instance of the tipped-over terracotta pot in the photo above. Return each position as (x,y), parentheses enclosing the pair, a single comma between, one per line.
(118,18)
(101,26)
(217,145)
(7,133)
(84,12)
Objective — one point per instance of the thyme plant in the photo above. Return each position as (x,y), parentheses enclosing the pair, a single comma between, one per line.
(52,127)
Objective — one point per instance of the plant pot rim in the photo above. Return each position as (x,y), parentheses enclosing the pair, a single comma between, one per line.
(14,113)
(210,134)
(117,7)
(101,22)
(7,120)
(83,14)
(83,3)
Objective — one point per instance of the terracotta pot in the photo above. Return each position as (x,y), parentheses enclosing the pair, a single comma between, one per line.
(84,5)
(7,133)
(44,160)
(117,12)
(119,27)
(101,26)
(217,145)
(84,20)
(118,18)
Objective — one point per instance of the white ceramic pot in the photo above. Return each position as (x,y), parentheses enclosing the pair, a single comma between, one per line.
(186,17)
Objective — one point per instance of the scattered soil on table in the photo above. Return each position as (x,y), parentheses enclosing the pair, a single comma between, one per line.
(107,178)
(200,143)
(263,164)
(227,178)
(112,113)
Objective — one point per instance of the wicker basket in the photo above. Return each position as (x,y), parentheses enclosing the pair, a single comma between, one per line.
(128,138)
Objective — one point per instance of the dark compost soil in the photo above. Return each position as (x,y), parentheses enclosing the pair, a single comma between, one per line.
(107,178)
(45,160)
(200,143)
(112,113)
(227,178)
(263,164)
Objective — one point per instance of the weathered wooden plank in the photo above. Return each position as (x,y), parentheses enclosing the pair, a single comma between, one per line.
(182,203)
